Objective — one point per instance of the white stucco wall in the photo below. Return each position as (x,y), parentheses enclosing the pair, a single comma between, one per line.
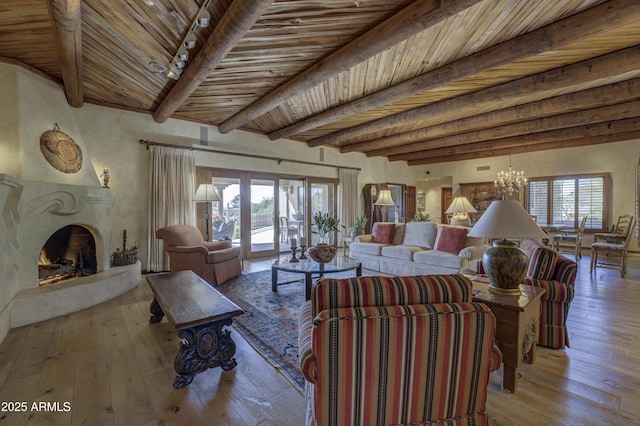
(618,159)
(111,137)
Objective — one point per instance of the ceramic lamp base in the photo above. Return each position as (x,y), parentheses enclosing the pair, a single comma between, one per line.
(505,265)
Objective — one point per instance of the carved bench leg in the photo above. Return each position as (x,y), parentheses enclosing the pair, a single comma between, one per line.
(156,312)
(201,347)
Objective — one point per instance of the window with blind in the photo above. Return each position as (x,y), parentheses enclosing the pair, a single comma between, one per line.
(567,199)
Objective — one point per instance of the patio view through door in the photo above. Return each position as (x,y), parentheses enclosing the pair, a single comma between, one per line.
(322,198)
(262,211)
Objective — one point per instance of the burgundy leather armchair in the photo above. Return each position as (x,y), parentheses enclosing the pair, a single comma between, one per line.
(215,261)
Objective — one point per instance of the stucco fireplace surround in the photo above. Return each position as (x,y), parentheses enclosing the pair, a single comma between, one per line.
(31,213)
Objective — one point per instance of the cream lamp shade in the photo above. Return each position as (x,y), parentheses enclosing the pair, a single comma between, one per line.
(507,219)
(205,193)
(504,263)
(459,208)
(384,199)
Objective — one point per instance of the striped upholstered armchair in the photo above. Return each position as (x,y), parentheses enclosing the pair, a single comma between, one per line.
(557,275)
(396,350)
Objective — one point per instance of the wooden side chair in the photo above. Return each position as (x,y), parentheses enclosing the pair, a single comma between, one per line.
(287,231)
(613,254)
(571,239)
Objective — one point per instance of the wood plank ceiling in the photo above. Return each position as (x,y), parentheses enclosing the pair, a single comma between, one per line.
(415,81)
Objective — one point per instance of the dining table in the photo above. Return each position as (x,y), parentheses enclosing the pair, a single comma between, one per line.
(550,227)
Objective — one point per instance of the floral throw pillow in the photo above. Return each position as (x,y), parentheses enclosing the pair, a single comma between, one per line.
(384,233)
(452,239)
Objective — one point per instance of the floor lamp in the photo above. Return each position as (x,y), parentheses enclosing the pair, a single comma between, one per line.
(206,194)
(384,200)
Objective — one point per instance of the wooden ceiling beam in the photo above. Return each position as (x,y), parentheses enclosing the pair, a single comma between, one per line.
(623,64)
(561,121)
(559,137)
(573,143)
(67,27)
(233,26)
(553,36)
(591,98)
(411,20)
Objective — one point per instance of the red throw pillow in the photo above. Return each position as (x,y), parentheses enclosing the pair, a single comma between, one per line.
(384,233)
(452,239)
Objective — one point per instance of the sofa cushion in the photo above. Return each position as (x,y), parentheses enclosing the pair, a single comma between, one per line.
(373,249)
(440,258)
(398,234)
(384,233)
(542,263)
(400,252)
(420,234)
(451,239)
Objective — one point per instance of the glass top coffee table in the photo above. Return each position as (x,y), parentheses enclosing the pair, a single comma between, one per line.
(309,268)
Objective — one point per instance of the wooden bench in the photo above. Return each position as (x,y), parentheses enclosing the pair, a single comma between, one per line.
(198,312)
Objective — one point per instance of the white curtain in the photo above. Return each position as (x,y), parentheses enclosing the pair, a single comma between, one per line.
(171,189)
(348,200)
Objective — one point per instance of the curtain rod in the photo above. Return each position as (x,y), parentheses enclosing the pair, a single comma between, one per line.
(240,154)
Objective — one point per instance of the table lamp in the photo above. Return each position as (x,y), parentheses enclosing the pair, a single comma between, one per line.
(384,200)
(206,194)
(504,263)
(459,208)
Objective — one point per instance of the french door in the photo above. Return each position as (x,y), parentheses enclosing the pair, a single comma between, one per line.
(270,212)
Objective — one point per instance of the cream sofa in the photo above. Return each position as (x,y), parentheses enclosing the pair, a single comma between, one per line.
(414,250)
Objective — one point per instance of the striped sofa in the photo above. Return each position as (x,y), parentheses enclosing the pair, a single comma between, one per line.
(557,275)
(396,350)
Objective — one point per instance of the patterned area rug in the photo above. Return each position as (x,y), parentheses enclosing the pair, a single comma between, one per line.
(270,321)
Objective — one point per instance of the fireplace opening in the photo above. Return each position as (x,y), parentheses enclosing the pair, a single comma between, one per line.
(69,252)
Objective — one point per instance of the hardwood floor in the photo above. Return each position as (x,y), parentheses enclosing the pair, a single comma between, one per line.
(108,365)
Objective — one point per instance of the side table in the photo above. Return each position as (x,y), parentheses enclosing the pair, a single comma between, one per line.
(517,323)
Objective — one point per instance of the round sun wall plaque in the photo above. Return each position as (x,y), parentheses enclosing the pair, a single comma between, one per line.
(61,151)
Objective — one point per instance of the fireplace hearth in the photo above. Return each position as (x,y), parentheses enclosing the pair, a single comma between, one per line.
(70,252)
(72,225)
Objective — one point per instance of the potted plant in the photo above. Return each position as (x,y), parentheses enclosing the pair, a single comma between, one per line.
(358,226)
(326,223)
(421,217)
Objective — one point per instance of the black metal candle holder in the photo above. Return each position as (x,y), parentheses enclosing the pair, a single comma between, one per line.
(293,255)
(302,249)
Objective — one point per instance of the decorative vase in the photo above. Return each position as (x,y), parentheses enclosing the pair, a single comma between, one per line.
(323,253)
(505,265)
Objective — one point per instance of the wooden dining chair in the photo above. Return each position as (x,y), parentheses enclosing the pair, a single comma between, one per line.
(571,239)
(612,255)
(619,232)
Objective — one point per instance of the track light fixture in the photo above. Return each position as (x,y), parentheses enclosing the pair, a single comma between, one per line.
(202,19)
